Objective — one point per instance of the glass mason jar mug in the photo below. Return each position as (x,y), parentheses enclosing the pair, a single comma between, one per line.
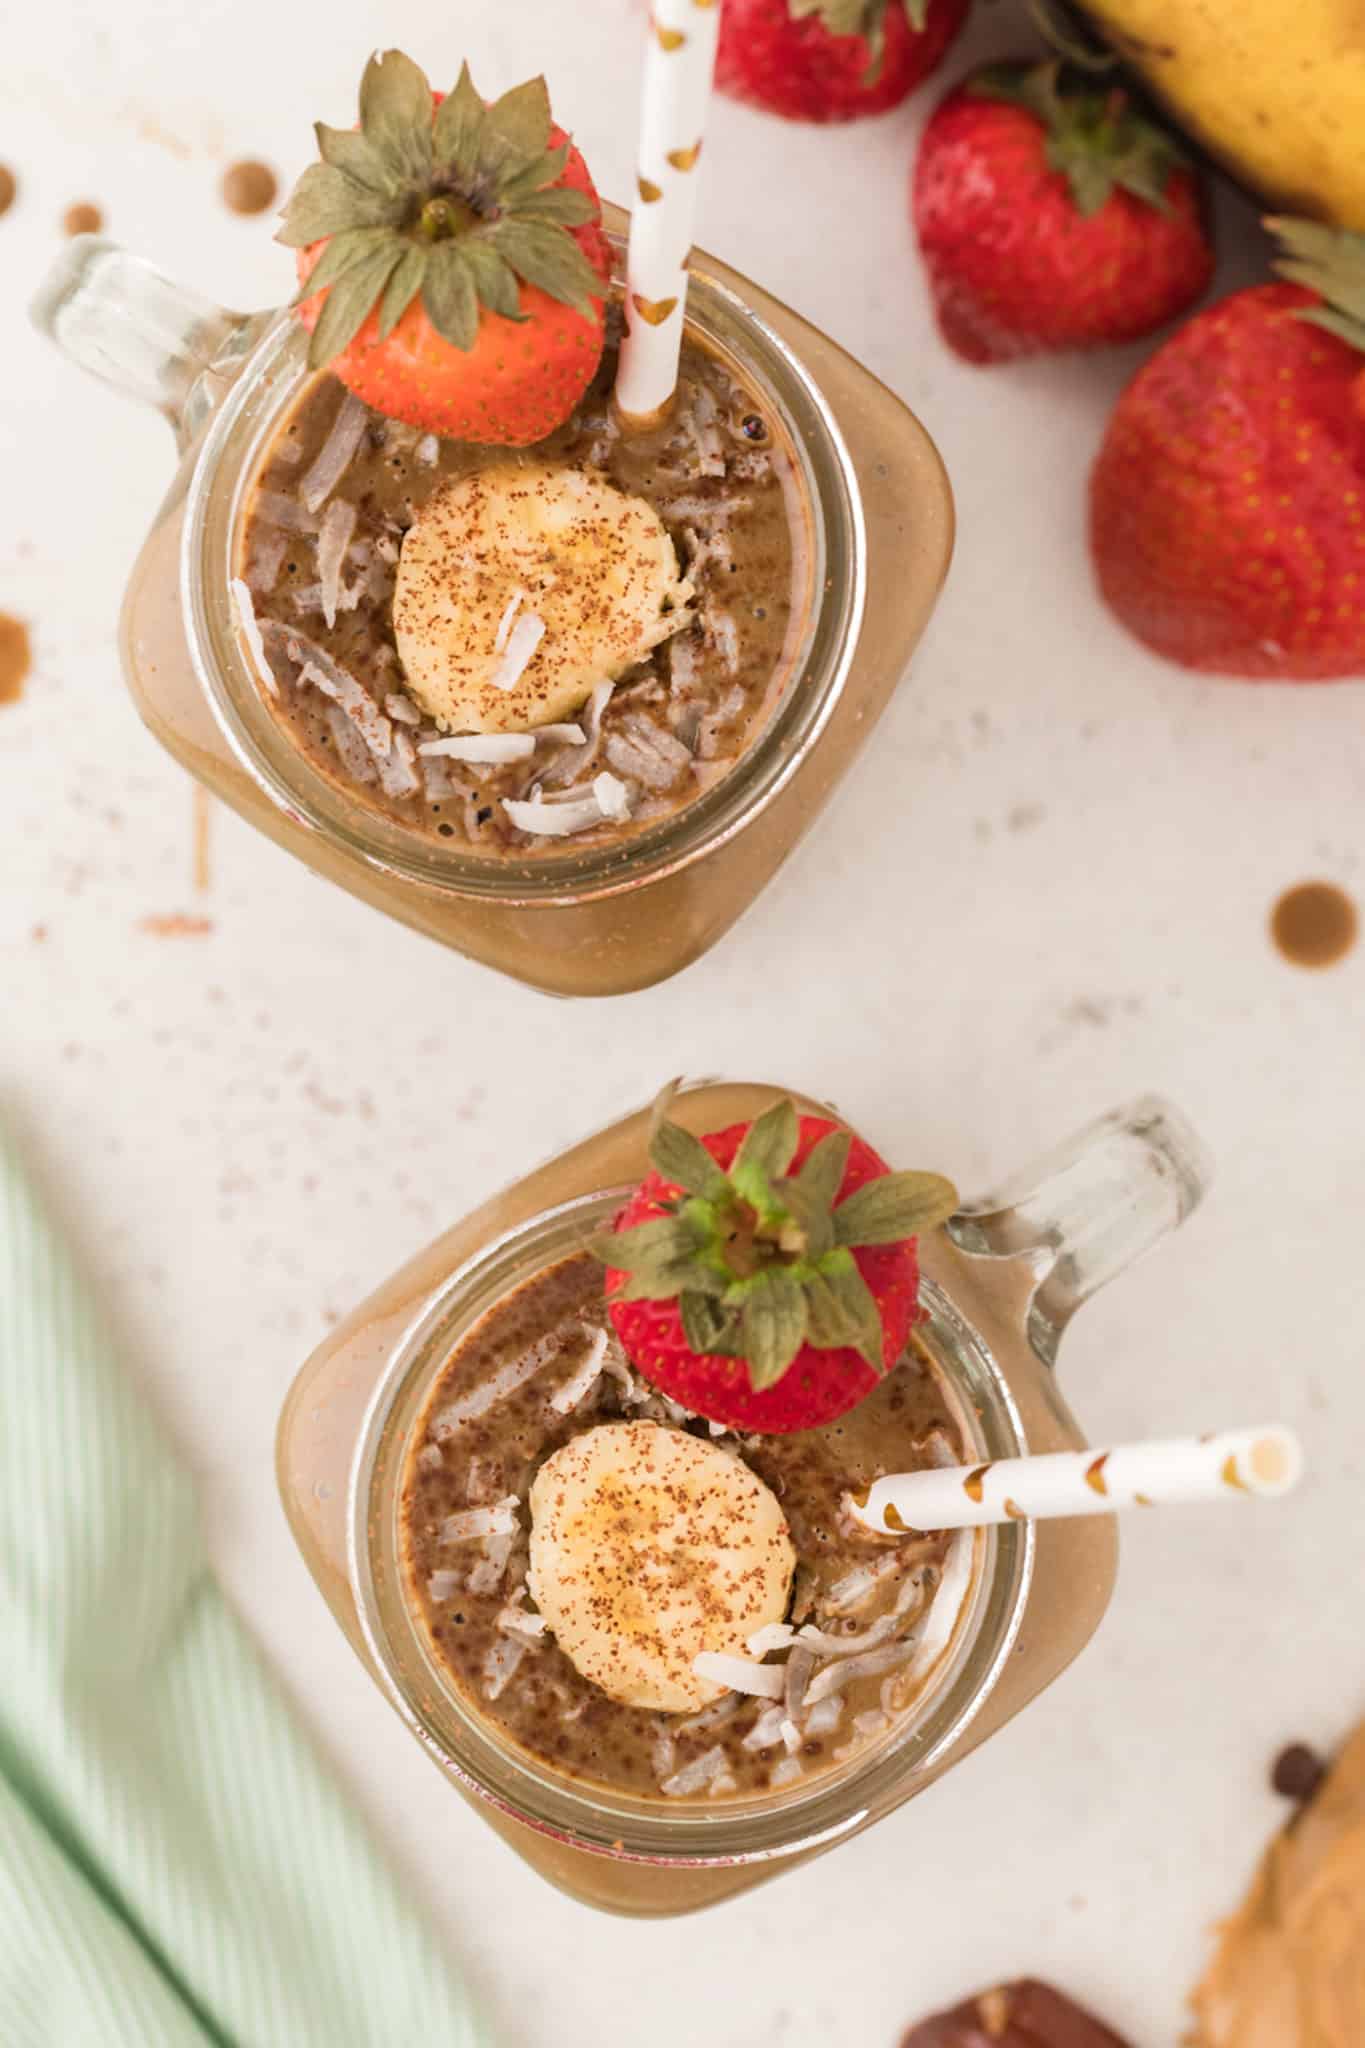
(1000,1282)
(875,519)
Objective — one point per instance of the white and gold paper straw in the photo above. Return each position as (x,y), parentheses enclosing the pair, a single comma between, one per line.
(1236,1464)
(677,95)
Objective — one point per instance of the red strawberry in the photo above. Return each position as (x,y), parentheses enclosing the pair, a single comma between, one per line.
(1227,504)
(1051,215)
(766,1275)
(452,258)
(831,60)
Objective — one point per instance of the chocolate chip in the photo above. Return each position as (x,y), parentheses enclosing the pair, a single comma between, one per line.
(1297,1772)
(84,218)
(248,186)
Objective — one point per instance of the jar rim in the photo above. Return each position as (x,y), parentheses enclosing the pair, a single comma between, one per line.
(282,774)
(591,1818)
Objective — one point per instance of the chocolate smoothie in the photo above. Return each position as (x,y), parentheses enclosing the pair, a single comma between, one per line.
(866,1619)
(339,489)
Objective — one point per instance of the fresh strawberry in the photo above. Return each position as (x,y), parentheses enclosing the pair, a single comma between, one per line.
(452,261)
(831,60)
(767,1275)
(1227,504)
(1052,215)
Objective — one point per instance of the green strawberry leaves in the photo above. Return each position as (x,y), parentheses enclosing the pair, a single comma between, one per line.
(462,206)
(773,1322)
(893,1207)
(1096,136)
(866,18)
(760,1260)
(1330,262)
(395,114)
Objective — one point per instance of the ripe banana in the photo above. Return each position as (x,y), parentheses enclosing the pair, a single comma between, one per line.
(648,1546)
(1277,93)
(522,586)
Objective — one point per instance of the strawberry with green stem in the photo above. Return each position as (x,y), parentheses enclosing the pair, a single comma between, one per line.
(766,1276)
(1227,503)
(1052,213)
(452,262)
(831,60)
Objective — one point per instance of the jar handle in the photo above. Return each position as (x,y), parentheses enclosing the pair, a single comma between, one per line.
(1090,1209)
(127,323)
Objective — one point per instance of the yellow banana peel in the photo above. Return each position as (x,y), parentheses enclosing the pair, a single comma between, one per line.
(1274,89)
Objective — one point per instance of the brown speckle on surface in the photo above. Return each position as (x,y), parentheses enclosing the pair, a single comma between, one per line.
(9,185)
(1314,924)
(175,924)
(16,658)
(84,218)
(249,186)
(39,934)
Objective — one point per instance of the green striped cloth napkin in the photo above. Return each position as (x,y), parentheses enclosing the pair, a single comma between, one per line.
(176,1866)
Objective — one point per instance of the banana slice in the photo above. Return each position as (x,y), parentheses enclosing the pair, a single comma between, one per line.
(648,1546)
(522,586)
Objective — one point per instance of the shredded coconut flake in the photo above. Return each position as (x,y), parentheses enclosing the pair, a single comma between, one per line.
(612,795)
(519,1621)
(493,747)
(251,633)
(774,1635)
(500,1665)
(554,820)
(431,1457)
(334,537)
(740,1674)
(428,449)
(522,643)
(696,1776)
(334,456)
(398,774)
(871,1664)
(576,1390)
(825,1717)
(481,1398)
(401,709)
(352,752)
(766,1732)
(443,1585)
(469,1524)
(942,1618)
(277,510)
(510,610)
(571,733)
(785,1773)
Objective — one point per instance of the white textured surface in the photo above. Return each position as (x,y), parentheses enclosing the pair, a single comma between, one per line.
(1044,889)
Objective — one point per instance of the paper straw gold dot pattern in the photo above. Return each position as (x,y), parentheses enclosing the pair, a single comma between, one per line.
(680,55)
(1229,1465)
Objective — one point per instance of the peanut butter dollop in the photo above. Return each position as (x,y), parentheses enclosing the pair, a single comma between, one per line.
(1290,1966)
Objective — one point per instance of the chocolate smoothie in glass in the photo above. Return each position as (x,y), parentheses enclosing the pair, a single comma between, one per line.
(611,1581)
(581,774)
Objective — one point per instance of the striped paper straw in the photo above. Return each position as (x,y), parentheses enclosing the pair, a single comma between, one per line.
(1235,1464)
(677,95)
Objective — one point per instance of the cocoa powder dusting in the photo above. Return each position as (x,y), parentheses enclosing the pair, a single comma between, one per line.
(84,218)
(249,186)
(9,185)
(1314,924)
(16,658)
